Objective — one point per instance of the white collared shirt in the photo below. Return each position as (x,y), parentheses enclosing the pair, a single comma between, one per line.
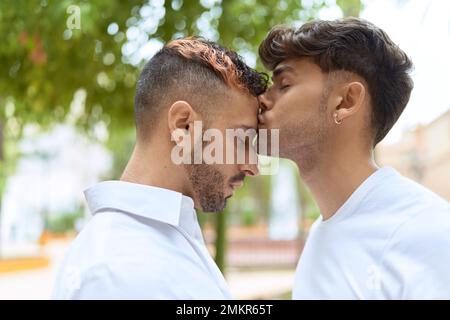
(141,243)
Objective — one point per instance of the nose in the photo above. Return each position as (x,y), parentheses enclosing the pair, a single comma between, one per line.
(264,102)
(250,170)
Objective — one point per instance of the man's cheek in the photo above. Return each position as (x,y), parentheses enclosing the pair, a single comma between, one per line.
(278,118)
(272,120)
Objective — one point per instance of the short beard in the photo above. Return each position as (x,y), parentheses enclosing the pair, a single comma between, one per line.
(208,185)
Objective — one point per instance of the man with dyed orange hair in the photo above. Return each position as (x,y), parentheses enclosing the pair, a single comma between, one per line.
(144,240)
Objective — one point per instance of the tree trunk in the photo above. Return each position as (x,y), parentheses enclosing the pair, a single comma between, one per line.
(2,172)
(1,142)
(221,239)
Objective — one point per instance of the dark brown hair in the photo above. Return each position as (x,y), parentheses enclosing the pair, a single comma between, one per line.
(194,70)
(353,45)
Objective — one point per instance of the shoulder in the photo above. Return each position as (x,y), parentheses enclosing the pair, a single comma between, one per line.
(399,185)
(151,274)
(404,201)
(114,235)
(428,227)
(119,257)
(417,255)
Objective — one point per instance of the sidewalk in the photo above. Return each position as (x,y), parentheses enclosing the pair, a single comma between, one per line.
(261,284)
(34,284)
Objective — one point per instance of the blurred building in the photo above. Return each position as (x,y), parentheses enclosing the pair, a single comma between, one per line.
(423,155)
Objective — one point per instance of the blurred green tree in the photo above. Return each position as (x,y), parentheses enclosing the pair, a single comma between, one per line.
(45,60)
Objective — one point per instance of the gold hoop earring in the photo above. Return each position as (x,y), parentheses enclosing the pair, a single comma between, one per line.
(336,120)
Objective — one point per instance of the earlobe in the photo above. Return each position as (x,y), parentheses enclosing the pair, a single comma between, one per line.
(352,99)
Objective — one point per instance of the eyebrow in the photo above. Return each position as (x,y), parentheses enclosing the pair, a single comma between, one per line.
(281,69)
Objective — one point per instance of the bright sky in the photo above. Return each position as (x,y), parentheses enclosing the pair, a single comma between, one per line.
(422,29)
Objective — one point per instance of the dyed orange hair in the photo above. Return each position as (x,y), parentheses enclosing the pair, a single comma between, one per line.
(194,49)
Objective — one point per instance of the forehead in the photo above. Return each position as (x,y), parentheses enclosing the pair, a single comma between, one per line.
(296,67)
(241,109)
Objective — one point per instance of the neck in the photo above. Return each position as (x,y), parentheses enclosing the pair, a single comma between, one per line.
(150,164)
(334,175)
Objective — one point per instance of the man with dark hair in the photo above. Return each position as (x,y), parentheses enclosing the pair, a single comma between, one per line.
(338,88)
(144,240)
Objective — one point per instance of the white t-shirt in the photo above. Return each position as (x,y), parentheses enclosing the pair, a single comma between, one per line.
(389,240)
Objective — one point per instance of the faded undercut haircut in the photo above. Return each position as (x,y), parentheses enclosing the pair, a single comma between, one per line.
(194,70)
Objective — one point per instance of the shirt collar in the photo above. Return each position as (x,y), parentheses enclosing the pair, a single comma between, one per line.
(353,204)
(150,202)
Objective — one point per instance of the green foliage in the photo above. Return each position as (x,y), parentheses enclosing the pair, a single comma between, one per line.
(8,163)
(64,222)
(248,217)
(350,8)
(43,63)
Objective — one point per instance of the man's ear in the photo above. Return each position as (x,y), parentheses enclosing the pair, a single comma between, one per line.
(181,116)
(350,100)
